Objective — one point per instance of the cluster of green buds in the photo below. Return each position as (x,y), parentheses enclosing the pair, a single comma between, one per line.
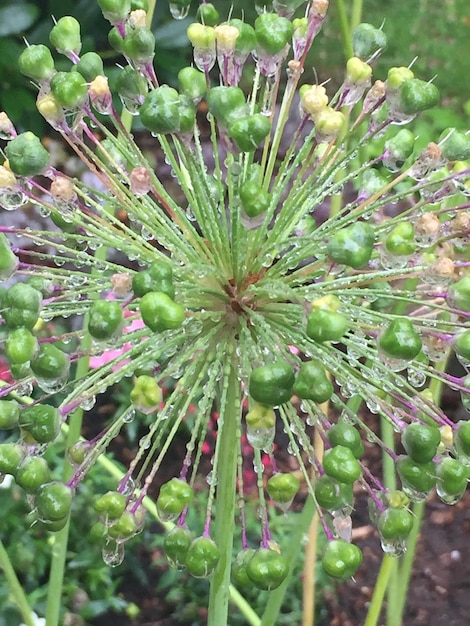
(248,286)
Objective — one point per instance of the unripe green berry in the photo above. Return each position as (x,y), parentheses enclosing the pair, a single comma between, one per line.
(176,545)
(395,524)
(50,362)
(267,569)
(273,32)
(331,494)
(26,155)
(65,36)
(272,384)
(69,89)
(455,145)
(255,200)
(239,568)
(401,240)
(459,294)
(207,14)
(340,463)
(115,10)
(417,95)
(90,66)
(11,455)
(9,414)
(421,441)
(146,395)
(139,45)
(341,559)
(367,39)
(123,528)
(353,245)
(324,325)
(249,131)
(174,496)
(105,319)
(400,340)
(8,260)
(283,487)
(312,382)
(37,63)
(33,473)
(160,110)
(41,421)
(202,557)
(159,312)
(111,505)
(53,501)
(342,434)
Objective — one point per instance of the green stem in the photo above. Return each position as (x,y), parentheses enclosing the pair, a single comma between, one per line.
(379,591)
(15,587)
(345,28)
(224,523)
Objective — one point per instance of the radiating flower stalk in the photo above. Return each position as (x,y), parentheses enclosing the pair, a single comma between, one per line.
(240,286)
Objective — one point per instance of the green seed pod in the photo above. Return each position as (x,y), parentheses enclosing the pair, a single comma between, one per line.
(160,110)
(283,487)
(273,32)
(116,40)
(123,528)
(249,131)
(325,325)
(115,10)
(174,496)
(239,568)
(192,83)
(400,146)
(65,36)
(90,66)
(9,414)
(267,569)
(358,72)
(226,104)
(462,441)
(397,76)
(342,434)
(131,87)
(400,340)
(401,240)
(421,442)
(455,145)
(53,501)
(159,312)
(255,200)
(417,95)
(105,319)
(111,505)
(395,524)
(207,14)
(26,155)
(452,479)
(11,455)
(22,306)
(69,89)
(201,36)
(418,479)
(312,383)
(341,559)
(367,40)
(146,395)
(461,344)
(246,40)
(331,494)
(36,62)
(352,246)
(157,277)
(50,362)
(21,345)
(41,421)
(139,45)
(33,473)
(340,463)
(272,384)
(176,545)
(8,261)
(202,557)
(459,294)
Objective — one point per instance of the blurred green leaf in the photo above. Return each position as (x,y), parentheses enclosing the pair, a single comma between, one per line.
(17,17)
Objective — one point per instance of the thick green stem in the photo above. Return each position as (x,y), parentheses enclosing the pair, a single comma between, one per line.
(15,587)
(224,523)
(379,591)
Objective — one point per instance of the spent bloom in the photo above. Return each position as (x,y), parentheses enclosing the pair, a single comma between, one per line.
(240,278)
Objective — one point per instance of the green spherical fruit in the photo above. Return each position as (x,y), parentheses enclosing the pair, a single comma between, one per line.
(157,277)
(176,545)
(53,501)
(452,476)
(421,442)
(418,479)
(41,421)
(50,362)
(226,103)
(455,145)
(418,95)
(312,383)
(65,35)
(90,66)
(33,473)
(192,83)
(139,45)
(246,40)
(9,414)
(331,494)
(159,312)
(123,528)
(462,344)
(462,438)
(283,487)
(111,505)
(207,14)
(202,557)
(255,200)
(146,395)
(340,463)
(174,496)
(352,246)
(11,455)
(36,62)
(343,434)
(160,110)
(395,524)
(267,569)
(367,40)
(341,559)
(115,10)
(272,384)
(69,89)
(400,340)
(273,32)
(239,568)
(324,325)
(459,294)
(22,304)
(8,261)
(105,319)
(401,240)
(21,345)
(249,131)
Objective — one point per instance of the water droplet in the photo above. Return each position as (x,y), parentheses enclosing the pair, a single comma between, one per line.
(113,553)
(177,11)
